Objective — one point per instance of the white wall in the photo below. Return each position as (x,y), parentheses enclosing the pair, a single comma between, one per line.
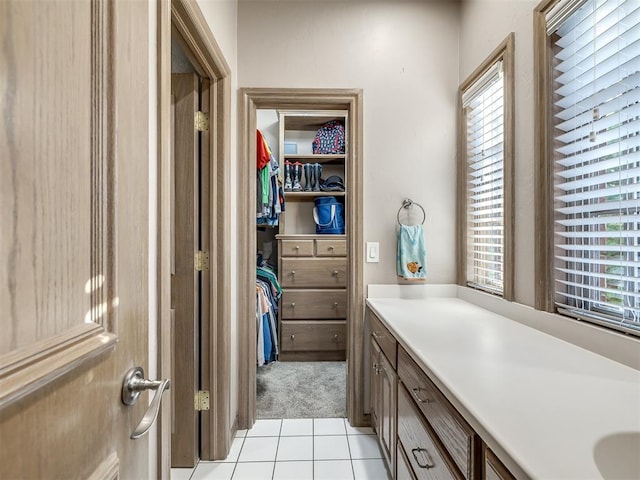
(404,55)
(222,17)
(476,43)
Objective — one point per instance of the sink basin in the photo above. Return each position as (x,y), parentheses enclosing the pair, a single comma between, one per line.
(618,456)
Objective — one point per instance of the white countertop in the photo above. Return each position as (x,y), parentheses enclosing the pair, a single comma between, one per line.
(549,409)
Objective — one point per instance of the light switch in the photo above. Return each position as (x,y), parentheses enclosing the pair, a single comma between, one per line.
(373,252)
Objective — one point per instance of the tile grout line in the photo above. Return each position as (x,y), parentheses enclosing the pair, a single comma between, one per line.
(353,470)
(313,449)
(275,460)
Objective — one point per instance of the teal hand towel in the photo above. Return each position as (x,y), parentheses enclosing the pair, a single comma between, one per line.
(412,254)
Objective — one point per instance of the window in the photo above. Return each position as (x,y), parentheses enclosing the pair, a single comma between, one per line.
(485,156)
(592,159)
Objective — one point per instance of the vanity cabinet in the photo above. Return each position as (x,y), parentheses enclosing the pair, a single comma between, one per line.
(422,435)
(384,389)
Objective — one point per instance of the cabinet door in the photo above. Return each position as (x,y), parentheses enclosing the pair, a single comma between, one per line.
(374,384)
(493,467)
(387,414)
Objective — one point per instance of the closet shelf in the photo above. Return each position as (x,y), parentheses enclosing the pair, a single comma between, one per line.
(291,196)
(317,158)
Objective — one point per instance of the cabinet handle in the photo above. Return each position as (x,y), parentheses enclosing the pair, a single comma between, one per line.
(377,335)
(293,304)
(428,462)
(416,391)
(335,273)
(293,337)
(375,368)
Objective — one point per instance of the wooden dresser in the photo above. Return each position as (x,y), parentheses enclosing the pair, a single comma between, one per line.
(313,308)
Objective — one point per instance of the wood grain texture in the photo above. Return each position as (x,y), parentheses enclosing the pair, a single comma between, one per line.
(374,384)
(384,338)
(45,252)
(313,336)
(195,36)
(185,288)
(493,467)
(388,393)
(164,235)
(543,179)
(313,304)
(72,74)
(296,248)
(313,272)
(403,468)
(456,435)
(418,443)
(331,248)
(109,469)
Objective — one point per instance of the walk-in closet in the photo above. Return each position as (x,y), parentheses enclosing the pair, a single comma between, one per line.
(301,263)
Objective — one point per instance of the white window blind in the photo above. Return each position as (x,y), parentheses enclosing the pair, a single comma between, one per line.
(483,106)
(596,58)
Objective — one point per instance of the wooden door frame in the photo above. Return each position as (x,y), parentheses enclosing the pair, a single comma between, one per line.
(252,99)
(185,18)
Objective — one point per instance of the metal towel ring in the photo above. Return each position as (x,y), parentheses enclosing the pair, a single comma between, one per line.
(408,203)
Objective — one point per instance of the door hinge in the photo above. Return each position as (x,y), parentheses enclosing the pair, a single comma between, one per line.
(201,261)
(202,400)
(202,121)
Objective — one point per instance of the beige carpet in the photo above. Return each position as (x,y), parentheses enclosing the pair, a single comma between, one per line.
(302,390)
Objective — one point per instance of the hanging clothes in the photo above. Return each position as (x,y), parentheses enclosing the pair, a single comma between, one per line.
(268,292)
(269,194)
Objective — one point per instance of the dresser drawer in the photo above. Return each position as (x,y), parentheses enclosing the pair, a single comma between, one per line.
(296,248)
(384,338)
(425,459)
(453,431)
(331,248)
(303,336)
(303,304)
(313,272)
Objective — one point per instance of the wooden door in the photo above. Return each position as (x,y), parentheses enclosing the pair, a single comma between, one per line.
(74,236)
(185,280)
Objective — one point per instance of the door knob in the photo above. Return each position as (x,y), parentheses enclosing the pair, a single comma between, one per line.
(133,384)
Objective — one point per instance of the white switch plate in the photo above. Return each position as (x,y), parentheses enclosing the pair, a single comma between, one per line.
(373,252)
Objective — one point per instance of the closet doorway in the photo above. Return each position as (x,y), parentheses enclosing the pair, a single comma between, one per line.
(304,340)
(194,98)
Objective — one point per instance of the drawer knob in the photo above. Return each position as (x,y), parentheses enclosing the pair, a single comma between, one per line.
(293,337)
(336,336)
(335,273)
(293,304)
(331,248)
(416,394)
(377,335)
(335,304)
(297,247)
(293,272)
(427,462)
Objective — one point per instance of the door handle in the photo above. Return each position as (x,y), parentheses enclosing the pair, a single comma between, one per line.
(133,384)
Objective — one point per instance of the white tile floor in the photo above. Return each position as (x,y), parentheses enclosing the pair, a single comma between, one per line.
(296,449)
